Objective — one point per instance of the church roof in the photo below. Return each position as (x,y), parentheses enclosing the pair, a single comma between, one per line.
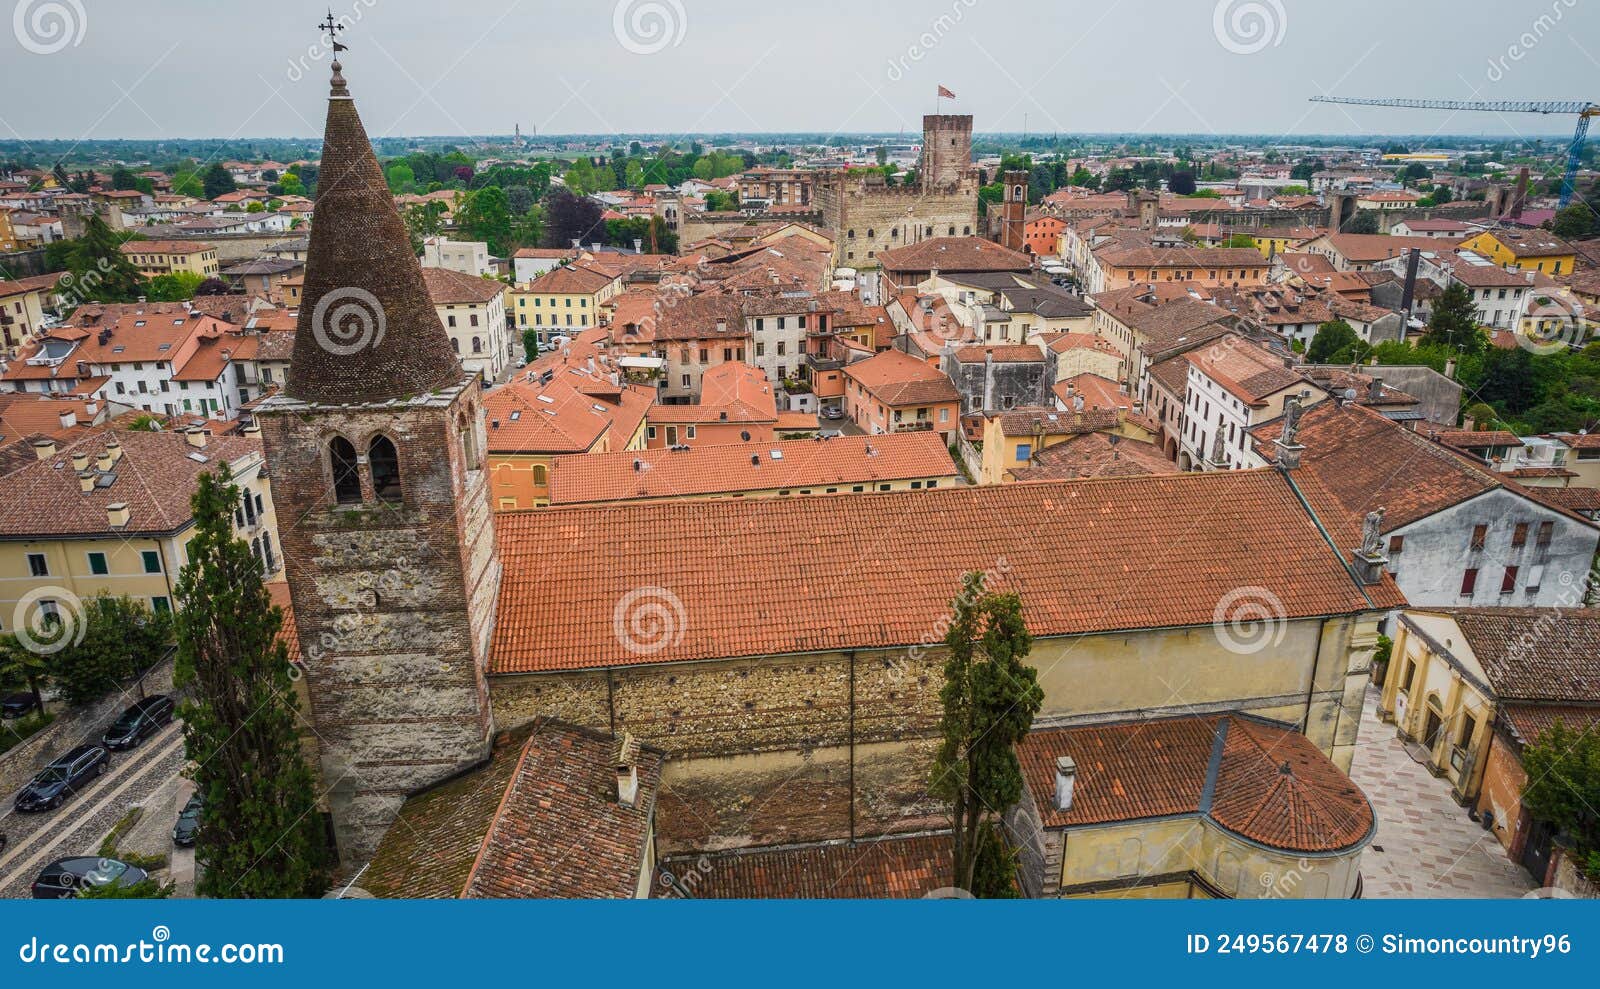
(368,331)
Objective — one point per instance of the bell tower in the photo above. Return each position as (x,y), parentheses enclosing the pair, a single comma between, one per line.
(1014,211)
(375,451)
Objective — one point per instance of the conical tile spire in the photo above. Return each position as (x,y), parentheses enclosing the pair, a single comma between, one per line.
(368,331)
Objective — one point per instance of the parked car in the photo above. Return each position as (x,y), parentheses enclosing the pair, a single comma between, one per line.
(188,827)
(63,778)
(139,722)
(64,877)
(17,705)
(833,412)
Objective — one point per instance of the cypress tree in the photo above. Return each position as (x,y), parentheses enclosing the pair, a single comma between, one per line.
(261,835)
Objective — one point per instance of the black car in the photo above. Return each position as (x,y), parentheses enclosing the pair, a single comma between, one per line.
(64,877)
(188,826)
(139,722)
(17,705)
(63,778)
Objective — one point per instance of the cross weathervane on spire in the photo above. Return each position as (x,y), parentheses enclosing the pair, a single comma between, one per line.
(331,28)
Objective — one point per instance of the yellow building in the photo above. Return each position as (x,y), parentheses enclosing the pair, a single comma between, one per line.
(109,514)
(8,233)
(168,257)
(563,301)
(1271,241)
(1527,250)
(22,303)
(1012,439)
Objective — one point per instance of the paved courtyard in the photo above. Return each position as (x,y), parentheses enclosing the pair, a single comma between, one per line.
(1430,848)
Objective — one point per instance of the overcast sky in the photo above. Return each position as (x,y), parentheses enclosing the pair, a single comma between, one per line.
(205,68)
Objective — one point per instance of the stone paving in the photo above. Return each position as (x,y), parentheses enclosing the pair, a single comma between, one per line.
(1430,848)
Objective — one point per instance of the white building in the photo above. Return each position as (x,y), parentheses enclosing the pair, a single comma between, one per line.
(473,311)
(470,257)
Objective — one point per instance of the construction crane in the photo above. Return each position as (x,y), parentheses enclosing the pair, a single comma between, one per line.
(1583,108)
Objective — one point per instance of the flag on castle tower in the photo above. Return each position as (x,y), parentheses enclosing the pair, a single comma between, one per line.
(946,94)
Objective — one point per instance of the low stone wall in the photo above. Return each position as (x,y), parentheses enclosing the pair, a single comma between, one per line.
(75,725)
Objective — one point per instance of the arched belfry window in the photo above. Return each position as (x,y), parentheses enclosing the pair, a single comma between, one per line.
(384,463)
(469,439)
(346,476)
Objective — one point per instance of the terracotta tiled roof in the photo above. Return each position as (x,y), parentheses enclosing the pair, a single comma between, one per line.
(896,378)
(1532,243)
(447,286)
(1246,370)
(1529,721)
(1030,420)
(155,477)
(1095,455)
(891,867)
(842,460)
(1582,500)
(1014,353)
(1266,783)
(1086,556)
(954,254)
(569,280)
(1550,654)
(568,414)
(1366,248)
(1364,461)
(560,831)
(1483,439)
(1177,327)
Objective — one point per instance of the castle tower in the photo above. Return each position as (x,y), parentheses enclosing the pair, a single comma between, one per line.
(1014,211)
(946,150)
(374,449)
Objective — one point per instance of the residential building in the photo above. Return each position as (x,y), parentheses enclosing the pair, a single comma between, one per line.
(469,257)
(1456,532)
(999,377)
(892,392)
(564,301)
(109,513)
(1210,267)
(1232,386)
(22,308)
(1526,250)
(473,311)
(168,257)
(737,405)
(531,262)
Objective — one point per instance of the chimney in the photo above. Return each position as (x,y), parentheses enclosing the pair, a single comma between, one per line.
(1375,390)
(1066,777)
(86,479)
(252,428)
(105,461)
(627,763)
(638,246)
(196,437)
(69,420)
(117,515)
(1450,369)
(80,461)
(114,448)
(594,247)
(44,449)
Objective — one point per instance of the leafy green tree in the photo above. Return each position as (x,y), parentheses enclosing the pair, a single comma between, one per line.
(144,889)
(424,220)
(1576,221)
(400,178)
(175,287)
(1509,380)
(122,179)
(1181,184)
(290,185)
(718,201)
(1482,414)
(100,271)
(530,344)
(188,183)
(486,215)
(260,835)
(1365,221)
(1563,769)
(994,877)
(1332,339)
(218,181)
(255,207)
(109,642)
(1454,322)
(989,698)
(1239,240)
(23,667)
